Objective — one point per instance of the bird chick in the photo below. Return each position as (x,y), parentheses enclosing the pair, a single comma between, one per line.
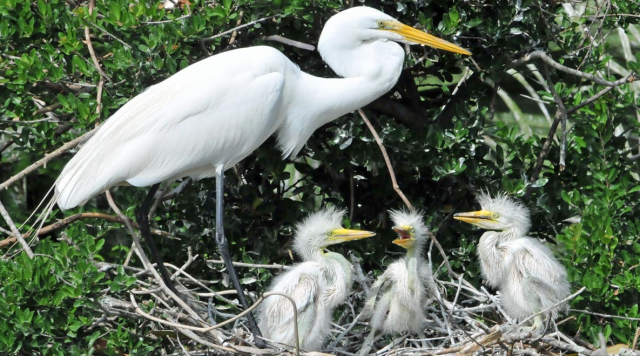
(398,298)
(528,276)
(318,285)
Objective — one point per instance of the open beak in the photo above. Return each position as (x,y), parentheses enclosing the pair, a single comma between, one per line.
(405,239)
(343,235)
(475,217)
(413,35)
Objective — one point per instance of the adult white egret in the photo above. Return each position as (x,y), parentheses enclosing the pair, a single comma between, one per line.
(212,114)
(318,285)
(398,298)
(526,273)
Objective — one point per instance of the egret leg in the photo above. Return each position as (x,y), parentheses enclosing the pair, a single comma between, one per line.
(223,248)
(142,216)
(368,343)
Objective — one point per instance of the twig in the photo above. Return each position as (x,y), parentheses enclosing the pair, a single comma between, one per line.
(235,33)
(548,60)
(47,157)
(629,79)
(452,274)
(251,265)
(16,233)
(553,306)
(169,21)
(87,37)
(219,325)
(70,219)
(289,42)
(110,35)
(147,264)
(204,40)
(387,161)
(563,116)
(603,315)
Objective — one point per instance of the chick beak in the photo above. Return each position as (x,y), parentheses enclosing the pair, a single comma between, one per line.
(475,217)
(344,235)
(405,238)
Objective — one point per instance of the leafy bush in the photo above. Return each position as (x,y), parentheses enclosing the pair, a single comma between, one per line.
(451,127)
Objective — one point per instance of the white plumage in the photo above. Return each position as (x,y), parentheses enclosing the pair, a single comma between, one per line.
(398,298)
(528,276)
(318,285)
(214,113)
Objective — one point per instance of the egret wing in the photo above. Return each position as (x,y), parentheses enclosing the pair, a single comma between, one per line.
(212,113)
(304,285)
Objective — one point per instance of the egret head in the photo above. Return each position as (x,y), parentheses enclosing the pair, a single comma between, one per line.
(322,229)
(500,213)
(352,30)
(412,232)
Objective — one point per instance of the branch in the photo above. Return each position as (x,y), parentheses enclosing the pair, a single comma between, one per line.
(548,60)
(70,219)
(47,157)
(560,113)
(228,321)
(628,79)
(289,42)
(553,306)
(14,229)
(204,40)
(387,160)
(87,37)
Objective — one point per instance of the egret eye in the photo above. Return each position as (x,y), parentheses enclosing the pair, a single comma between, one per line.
(411,230)
(496,215)
(329,233)
(380,23)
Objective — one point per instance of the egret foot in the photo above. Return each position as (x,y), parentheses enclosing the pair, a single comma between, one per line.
(538,326)
(223,248)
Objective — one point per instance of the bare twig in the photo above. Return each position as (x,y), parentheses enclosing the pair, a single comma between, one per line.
(293,43)
(548,60)
(204,40)
(387,161)
(14,230)
(251,265)
(87,37)
(70,219)
(235,33)
(219,325)
(554,306)
(603,315)
(47,157)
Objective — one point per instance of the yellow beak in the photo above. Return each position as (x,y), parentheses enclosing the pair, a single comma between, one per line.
(405,238)
(343,235)
(416,36)
(475,217)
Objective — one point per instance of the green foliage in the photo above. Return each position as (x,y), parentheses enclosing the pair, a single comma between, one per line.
(49,304)
(444,147)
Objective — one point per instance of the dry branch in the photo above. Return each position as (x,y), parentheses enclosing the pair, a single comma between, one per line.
(47,157)
(70,219)
(387,161)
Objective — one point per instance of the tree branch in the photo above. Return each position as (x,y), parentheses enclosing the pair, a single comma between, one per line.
(47,157)
(16,233)
(548,60)
(387,161)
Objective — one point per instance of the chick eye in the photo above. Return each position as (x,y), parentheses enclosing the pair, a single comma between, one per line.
(380,23)
(496,215)
(412,230)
